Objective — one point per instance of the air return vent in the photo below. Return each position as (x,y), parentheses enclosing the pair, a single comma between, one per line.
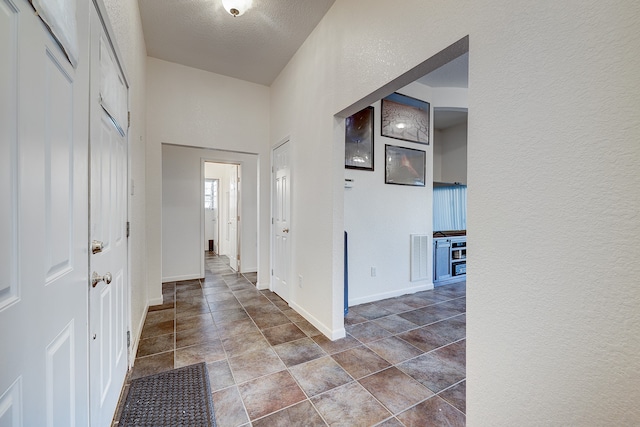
(419,254)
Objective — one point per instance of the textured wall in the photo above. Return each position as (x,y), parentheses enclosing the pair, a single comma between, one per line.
(553,161)
(381,217)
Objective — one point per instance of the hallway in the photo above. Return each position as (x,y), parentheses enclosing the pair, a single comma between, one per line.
(402,362)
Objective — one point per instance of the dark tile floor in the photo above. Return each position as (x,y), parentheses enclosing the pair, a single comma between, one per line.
(401,364)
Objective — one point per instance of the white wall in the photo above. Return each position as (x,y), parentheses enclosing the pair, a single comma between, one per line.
(453,153)
(182,213)
(379,219)
(437,155)
(124,19)
(552,166)
(196,108)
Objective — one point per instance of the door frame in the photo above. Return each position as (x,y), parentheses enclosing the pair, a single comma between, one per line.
(272,203)
(239,166)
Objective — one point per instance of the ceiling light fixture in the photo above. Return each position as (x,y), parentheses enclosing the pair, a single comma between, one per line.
(236,7)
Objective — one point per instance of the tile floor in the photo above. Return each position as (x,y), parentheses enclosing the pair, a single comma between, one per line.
(401,364)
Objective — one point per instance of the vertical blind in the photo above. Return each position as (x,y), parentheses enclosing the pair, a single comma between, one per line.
(450,208)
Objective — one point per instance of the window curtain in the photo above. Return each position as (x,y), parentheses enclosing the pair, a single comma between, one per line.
(60,16)
(450,208)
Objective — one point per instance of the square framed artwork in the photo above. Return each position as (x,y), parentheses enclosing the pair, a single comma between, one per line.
(404,166)
(405,118)
(358,144)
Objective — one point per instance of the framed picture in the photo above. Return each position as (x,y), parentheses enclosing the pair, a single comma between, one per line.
(404,166)
(358,144)
(405,118)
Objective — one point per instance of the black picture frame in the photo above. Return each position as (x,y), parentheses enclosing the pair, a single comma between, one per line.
(358,143)
(405,118)
(405,166)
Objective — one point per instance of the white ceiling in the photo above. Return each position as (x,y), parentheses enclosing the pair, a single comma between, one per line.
(254,47)
(257,45)
(452,74)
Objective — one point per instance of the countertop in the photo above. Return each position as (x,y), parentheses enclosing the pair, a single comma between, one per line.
(449,233)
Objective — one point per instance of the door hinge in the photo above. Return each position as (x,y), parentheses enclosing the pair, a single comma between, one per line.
(271,221)
(128,339)
(128,119)
(128,229)
(272,271)
(238,257)
(238,218)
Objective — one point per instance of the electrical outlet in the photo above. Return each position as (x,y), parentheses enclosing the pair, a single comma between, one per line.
(299,280)
(373,272)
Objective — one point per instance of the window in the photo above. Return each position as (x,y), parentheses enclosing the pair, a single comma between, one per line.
(450,208)
(211,194)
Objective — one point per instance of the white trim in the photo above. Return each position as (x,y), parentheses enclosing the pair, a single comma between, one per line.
(135,341)
(156,301)
(179,278)
(391,294)
(326,331)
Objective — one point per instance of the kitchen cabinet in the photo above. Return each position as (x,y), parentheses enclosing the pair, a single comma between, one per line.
(449,259)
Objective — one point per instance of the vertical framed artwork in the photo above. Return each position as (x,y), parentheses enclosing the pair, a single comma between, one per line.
(404,166)
(358,144)
(405,118)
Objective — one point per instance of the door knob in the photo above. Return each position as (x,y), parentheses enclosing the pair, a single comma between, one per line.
(286,230)
(96,246)
(96,278)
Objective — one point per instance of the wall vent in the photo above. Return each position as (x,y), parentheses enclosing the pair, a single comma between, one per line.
(419,257)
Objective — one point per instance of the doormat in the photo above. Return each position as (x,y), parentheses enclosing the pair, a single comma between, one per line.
(181,397)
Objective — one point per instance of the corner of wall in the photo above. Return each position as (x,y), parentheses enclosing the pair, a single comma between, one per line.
(332,334)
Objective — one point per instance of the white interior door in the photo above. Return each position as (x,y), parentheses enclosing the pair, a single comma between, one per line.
(281,204)
(108,216)
(232,217)
(43,224)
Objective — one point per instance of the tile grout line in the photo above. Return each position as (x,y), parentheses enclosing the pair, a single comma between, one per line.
(326,353)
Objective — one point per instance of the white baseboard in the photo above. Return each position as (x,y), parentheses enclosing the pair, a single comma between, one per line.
(391,294)
(262,287)
(179,278)
(328,332)
(156,301)
(135,341)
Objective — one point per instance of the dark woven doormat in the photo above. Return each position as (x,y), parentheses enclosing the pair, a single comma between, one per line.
(181,397)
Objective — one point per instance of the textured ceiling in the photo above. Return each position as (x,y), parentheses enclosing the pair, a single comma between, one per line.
(254,47)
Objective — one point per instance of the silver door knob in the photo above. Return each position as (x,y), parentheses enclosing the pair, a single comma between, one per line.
(96,246)
(285,230)
(96,278)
